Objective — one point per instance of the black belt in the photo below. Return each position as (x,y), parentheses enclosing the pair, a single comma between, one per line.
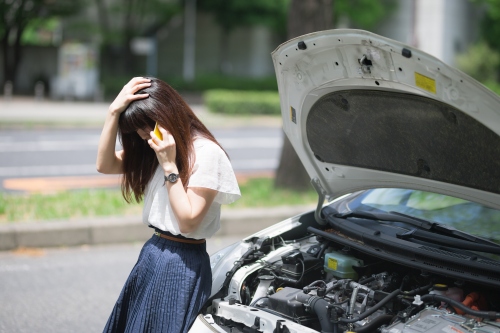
(176,238)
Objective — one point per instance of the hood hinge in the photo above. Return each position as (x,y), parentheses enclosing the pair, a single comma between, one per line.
(321,200)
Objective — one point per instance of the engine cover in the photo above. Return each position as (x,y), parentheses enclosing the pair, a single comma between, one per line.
(284,302)
(433,320)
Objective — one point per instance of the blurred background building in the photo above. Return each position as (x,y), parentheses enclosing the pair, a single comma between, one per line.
(89,50)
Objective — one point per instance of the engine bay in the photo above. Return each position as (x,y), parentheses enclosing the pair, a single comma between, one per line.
(314,284)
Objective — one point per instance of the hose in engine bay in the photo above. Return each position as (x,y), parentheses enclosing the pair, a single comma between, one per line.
(374,324)
(319,306)
(373,309)
(456,304)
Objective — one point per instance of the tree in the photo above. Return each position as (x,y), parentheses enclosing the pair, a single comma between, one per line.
(482,59)
(490,24)
(490,29)
(131,18)
(306,16)
(15,16)
(230,15)
(362,14)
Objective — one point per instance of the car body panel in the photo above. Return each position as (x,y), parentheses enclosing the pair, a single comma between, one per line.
(331,64)
(366,114)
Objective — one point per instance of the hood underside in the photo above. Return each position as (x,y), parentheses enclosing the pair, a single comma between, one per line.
(363,111)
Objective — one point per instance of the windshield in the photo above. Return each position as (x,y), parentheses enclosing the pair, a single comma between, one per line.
(461,214)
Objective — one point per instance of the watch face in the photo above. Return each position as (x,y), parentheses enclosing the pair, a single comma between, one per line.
(172,177)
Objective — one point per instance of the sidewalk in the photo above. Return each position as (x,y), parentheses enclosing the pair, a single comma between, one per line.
(242,223)
(22,112)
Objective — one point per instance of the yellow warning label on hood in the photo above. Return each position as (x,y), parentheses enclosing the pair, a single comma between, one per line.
(425,82)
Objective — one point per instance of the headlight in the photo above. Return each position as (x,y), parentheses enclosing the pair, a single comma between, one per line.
(223,261)
(217,256)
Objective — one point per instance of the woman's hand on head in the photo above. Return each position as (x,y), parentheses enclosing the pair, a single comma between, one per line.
(165,150)
(127,94)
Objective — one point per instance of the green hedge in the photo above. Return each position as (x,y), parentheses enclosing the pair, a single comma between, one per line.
(113,84)
(215,81)
(242,102)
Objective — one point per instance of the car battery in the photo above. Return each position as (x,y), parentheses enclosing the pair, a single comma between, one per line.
(297,264)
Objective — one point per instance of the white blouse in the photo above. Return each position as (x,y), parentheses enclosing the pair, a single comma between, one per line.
(212,170)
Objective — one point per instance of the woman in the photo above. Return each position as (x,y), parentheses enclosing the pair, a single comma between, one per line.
(183,178)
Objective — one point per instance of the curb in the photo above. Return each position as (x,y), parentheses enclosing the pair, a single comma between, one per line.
(112,230)
(20,113)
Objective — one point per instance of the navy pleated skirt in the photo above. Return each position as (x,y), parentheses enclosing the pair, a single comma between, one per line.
(165,290)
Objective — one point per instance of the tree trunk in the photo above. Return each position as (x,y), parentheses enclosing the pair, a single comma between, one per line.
(12,55)
(102,14)
(224,65)
(128,32)
(5,49)
(304,16)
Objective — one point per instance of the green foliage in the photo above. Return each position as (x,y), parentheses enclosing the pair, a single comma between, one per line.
(70,205)
(493,86)
(242,102)
(113,84)
(143,18)
(217,81)
(490,25)
(20,13)
(480,61)
(64,205)
(260,192)
(364,14)
(236,13)
(17,15)
(40,31)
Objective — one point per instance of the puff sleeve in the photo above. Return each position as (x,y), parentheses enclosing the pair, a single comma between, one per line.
(212,169)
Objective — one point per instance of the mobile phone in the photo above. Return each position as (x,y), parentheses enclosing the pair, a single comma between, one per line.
(157,132)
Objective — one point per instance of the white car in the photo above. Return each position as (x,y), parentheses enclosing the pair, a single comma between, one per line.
(404,152)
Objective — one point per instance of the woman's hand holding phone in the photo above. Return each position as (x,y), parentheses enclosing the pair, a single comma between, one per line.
(157,132)
(163,144)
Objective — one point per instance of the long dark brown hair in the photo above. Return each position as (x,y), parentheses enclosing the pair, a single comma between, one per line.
(165,106)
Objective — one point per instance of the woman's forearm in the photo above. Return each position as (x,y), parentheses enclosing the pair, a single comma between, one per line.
(108,161)
(189,206)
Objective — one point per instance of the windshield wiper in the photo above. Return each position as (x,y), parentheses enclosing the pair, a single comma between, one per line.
(448,241)
(419,223)
(449,230)
(390,217)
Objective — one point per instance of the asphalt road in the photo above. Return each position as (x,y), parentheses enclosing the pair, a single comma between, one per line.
(66,290)
(41,154)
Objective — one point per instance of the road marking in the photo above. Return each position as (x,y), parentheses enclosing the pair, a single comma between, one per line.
(48,170)
(28,146)
(255,164)
(90,169)
(10,146)
(14,268)
(252,142)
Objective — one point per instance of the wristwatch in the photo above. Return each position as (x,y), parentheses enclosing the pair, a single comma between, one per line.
(172,177)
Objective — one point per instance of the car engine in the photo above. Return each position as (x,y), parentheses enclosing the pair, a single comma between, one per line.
(312,284)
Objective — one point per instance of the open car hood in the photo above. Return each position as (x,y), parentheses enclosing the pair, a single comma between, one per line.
(363,111)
